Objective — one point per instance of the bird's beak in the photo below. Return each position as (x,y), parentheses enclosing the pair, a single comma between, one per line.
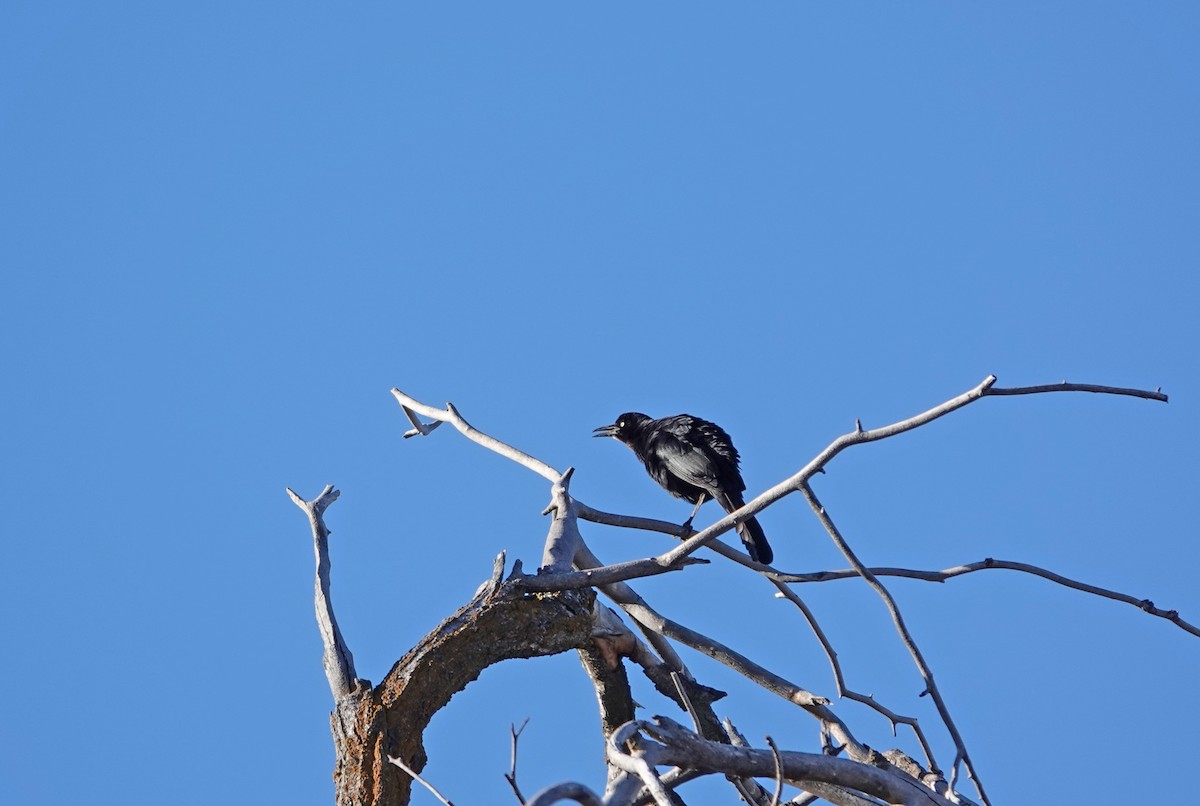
(605,431)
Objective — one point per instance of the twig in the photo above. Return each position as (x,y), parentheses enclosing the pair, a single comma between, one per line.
(419,779)
(677,679)
(1145,605)
(511,776)
(778,771)
(636,762)
(750,789)
(905,636)
(740,663)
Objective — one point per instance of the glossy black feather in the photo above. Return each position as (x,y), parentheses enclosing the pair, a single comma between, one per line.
(690,457)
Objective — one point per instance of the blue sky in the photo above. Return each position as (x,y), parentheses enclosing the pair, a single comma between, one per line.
(228,230)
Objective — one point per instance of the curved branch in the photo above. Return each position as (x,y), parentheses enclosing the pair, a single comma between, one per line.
(1145,605)
(570,791)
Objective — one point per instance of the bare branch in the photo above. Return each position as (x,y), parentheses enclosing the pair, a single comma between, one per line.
(511,776)
(419,428)
(778,772)
(905,636)
(843,689)
(1157,394)
(989,563)
(715,649)
(419,780)
(339,663)
(612,640)
(632,521)
(750,790)
(569,791)
(489,629)
(635,762)
(451,415)
(564,529)
(604,575)
(682,748)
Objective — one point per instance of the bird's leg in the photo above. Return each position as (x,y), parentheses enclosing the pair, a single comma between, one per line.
(688,523)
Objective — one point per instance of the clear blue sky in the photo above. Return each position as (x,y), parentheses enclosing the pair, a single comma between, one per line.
(226,230)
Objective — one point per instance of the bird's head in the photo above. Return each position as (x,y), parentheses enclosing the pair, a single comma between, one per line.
(625,429)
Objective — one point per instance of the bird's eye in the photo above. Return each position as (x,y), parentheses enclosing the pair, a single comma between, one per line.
(621,424)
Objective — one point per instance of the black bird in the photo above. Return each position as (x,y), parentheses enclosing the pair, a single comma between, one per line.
(691,459)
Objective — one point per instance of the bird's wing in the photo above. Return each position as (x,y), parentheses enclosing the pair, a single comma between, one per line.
(685,460)
(707,451)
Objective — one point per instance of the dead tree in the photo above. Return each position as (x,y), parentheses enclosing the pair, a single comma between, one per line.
(378,729)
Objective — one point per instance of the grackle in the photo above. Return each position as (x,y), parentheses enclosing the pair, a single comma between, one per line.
(691,459)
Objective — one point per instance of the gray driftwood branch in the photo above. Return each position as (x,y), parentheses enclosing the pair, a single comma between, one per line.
(906,638)
(668,743)
(989,563)
(569,791)
(339,663)
(840,681)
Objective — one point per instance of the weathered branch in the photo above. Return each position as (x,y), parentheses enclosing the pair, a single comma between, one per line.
(511,775)
(632,521)
(839,679)
(1145,605)
(634,761)
(605,575)
(569,791)
(484,632)
(339,663)
(564,528)
(1063,386)
(682,748)
(411,773)
(451,415)
(905,636)
(372,725)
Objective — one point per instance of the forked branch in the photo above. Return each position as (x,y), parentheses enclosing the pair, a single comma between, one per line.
(339,663)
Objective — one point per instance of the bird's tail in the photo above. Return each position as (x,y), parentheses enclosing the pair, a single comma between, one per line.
(753,537)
